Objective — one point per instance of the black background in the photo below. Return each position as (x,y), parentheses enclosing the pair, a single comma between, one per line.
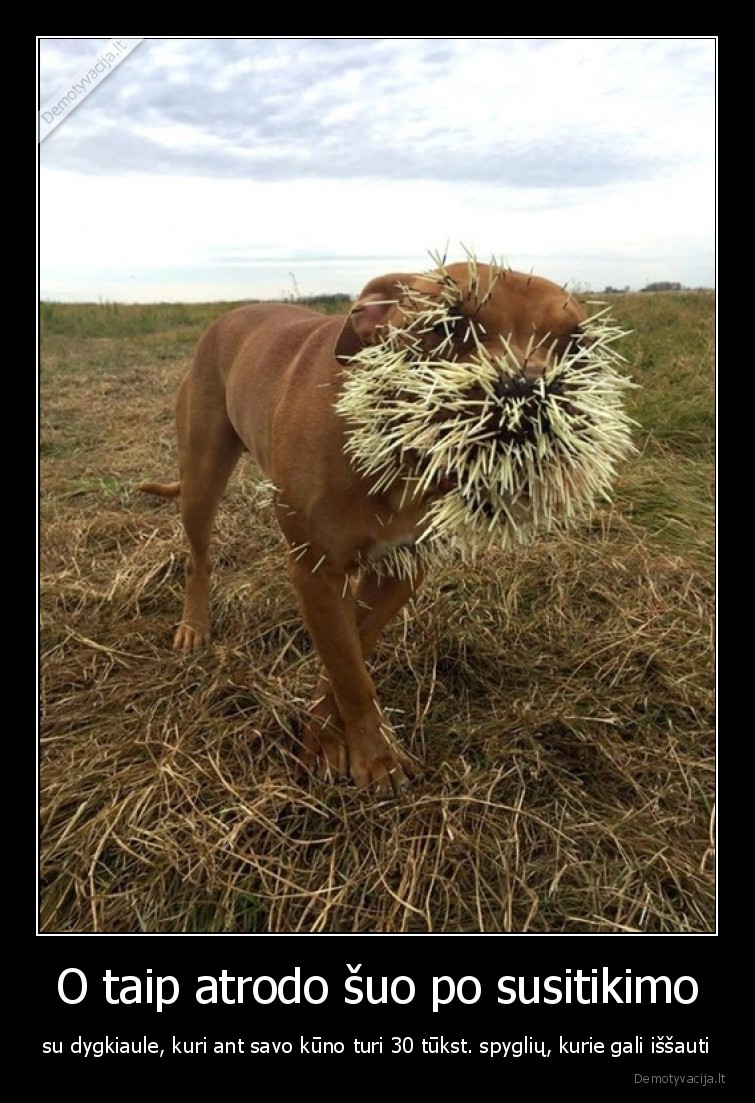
(486,957)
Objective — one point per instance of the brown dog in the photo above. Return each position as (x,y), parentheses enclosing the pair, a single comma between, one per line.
(265,379)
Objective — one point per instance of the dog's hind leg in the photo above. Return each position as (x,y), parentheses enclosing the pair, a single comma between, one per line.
(208,449)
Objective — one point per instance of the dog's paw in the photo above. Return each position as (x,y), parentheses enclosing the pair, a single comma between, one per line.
(386,772)
(368,755)
(190,637)
(323,746)
(376,761)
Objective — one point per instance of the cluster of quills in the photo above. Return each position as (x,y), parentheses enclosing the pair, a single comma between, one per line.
(514,456)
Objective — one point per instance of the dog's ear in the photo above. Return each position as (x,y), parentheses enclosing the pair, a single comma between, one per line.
(370,310)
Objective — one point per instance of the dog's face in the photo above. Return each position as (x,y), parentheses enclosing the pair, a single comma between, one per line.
(488,389)
(538,320)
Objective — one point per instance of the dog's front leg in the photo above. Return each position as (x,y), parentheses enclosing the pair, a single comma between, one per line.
(357,743)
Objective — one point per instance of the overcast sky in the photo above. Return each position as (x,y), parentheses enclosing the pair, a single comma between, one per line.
(233,168)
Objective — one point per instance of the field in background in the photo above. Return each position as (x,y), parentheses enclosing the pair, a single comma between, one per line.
(561,697)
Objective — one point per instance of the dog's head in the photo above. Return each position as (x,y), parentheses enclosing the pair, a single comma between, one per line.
(489,389)
(537,319)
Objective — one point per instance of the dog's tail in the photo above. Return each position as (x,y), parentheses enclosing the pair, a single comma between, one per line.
(162,490)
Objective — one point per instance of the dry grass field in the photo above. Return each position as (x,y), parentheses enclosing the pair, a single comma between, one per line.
(560,697)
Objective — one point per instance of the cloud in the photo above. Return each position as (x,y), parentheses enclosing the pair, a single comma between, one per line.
(576,113)
(583,157)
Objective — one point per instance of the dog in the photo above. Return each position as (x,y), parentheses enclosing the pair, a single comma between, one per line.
(266,379)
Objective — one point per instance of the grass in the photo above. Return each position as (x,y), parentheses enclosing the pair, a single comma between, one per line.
(561,698)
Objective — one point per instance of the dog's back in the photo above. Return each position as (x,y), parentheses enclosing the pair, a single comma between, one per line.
(262,358)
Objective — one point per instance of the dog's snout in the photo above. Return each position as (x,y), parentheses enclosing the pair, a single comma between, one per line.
(542,351)
(520,386)
(533,362)
(533,368)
